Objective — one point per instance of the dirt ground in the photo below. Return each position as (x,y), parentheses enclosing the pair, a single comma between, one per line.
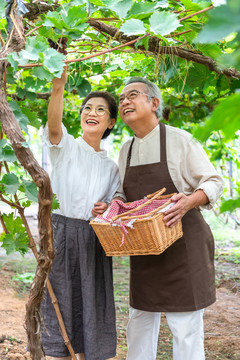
(222,319)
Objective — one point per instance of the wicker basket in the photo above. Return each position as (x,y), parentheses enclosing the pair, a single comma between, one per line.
(150,236)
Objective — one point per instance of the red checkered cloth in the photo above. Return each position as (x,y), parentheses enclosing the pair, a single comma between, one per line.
(118,207)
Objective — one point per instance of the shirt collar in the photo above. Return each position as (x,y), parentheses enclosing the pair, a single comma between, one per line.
(148,136)
(90,149)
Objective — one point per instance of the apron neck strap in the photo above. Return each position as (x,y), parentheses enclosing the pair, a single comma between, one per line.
(163,151)
(129,153)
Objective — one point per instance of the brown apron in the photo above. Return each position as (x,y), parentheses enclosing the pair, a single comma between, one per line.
(182,277)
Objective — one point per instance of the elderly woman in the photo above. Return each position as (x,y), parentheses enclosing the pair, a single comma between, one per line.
(84,180)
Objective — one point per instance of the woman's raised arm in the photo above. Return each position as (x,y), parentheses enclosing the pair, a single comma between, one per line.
(55,108)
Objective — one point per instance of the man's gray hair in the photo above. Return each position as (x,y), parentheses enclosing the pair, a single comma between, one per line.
(153,90)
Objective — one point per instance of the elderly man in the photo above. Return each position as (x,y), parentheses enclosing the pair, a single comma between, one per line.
(180,281)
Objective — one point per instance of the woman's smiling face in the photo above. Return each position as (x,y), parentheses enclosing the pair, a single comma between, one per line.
(95,116)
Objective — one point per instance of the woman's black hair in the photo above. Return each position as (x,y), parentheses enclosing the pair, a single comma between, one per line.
(112,106)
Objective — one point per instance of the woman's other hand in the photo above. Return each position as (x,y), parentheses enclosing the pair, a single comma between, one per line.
(117,198)
(99,208)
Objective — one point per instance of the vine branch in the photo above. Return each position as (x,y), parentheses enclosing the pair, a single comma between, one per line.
(155,48)
(129,43)
(10,203)
(196,13)
(154,43)
(3,223)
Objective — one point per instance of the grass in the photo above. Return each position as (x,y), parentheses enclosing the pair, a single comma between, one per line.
(17,263)
(22,282)
(23,269)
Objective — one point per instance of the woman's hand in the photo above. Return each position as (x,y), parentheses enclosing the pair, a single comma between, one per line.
(117,198)
(60,83)
(99,208)
(184,203)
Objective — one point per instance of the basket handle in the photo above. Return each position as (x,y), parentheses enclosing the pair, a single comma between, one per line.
(148,214)
(157,194)
(160,197)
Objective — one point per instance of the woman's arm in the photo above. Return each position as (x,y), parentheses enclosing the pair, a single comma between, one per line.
(55,109)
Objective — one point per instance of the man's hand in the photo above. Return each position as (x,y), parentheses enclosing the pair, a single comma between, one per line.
(183,205)
(99,208)
(177,211)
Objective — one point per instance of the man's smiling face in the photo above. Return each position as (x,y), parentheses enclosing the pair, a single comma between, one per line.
(137,109)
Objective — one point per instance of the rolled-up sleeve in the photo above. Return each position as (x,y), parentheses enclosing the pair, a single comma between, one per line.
(201,174)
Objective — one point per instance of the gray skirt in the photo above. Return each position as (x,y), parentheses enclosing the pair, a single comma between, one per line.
(81,277)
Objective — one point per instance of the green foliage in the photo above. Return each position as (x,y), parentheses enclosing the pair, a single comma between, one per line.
(71,19)
(22,282)
(6,152)
(2,9)
(225,117)
(55,203)
(16,239)
(226,236)
(163,23)
(30,190)
(141,10)
(19,115)
(230,205)
(223,21)
(121,7)
(11,183)
(26,278)
(133,27)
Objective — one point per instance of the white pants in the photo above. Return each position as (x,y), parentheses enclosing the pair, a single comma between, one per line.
(186,327)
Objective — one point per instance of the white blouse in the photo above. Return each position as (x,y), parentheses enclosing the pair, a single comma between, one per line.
(80,176)
(188,164)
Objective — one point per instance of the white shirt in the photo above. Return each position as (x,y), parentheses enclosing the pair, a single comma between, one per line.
(188,164)
(80,176)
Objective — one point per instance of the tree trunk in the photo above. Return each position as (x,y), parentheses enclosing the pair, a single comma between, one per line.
(11,128)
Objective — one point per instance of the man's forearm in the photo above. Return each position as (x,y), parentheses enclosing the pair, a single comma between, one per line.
(198,198)
(184,203)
